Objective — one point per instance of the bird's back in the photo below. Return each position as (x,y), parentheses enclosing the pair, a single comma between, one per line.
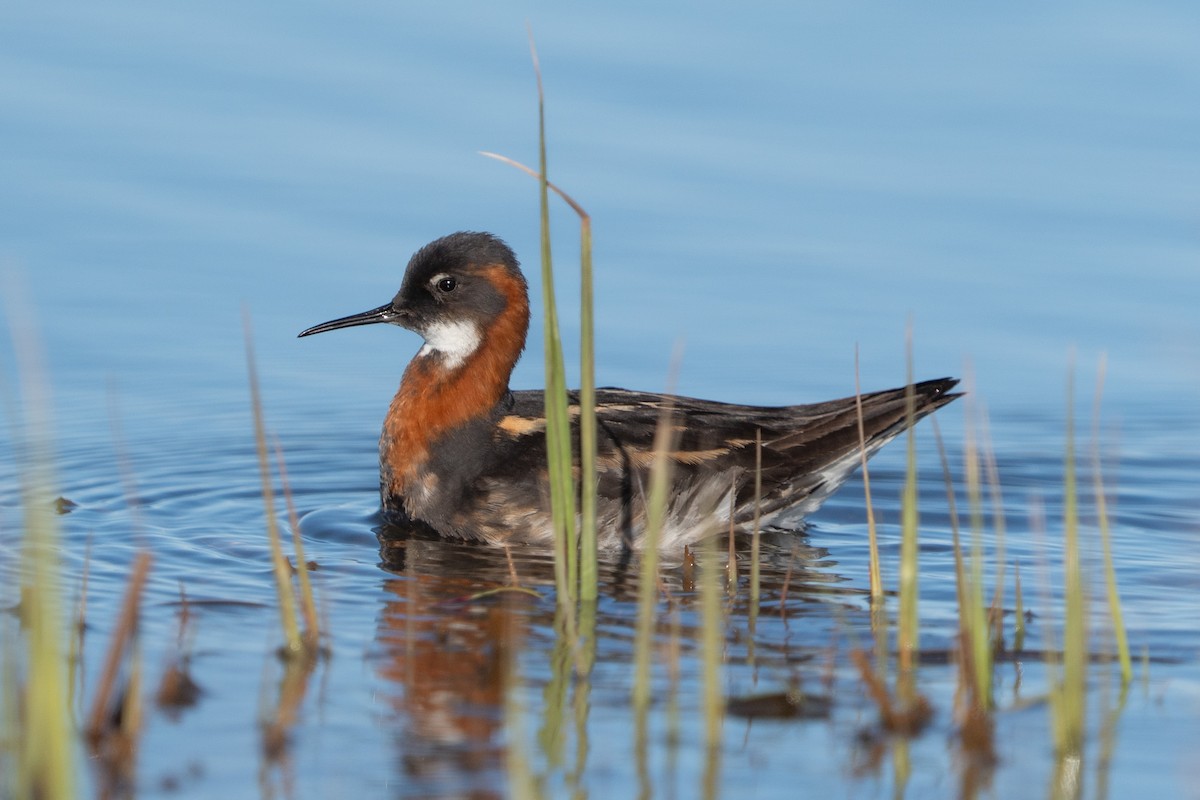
(806,452)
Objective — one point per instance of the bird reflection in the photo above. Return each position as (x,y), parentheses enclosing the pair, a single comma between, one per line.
(444,653)
(446,640)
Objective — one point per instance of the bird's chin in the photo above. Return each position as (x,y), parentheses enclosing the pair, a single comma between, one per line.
(409,324)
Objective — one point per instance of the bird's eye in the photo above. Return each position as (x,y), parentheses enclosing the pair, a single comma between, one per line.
(446,285)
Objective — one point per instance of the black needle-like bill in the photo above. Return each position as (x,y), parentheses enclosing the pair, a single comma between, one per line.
(387,313)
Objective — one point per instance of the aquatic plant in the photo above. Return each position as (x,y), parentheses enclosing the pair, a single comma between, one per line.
(1113,594)
(114,724)
(296,644)
(647,596)
(1068,697)
(712,656)
(37,721)
(578,572)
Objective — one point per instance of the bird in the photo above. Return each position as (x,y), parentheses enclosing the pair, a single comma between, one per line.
(463,456)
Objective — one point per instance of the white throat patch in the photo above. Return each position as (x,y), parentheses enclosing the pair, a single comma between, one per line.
(453,341)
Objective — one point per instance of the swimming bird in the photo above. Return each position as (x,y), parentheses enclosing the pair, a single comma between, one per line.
(464,455)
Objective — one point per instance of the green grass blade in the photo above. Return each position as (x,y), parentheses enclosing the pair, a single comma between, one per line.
(551,734)
(308,603)
(973,612)
(1116,617)
(585,659)
(908,629)
(45,765)
(1018,610)
(1110,584)
(1071,702)
(294,644)
(980,633)
(588,572)
(968,629)
(992,474)
(756,544)
(46,736)
(656,506)
(558,425)
(712,625)
(876,577)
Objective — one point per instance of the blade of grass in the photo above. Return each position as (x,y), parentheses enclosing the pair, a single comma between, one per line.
(1069,705)
(133,711)
(1108,740)
(975,725)
(731,569)
(908,630)
(712,627)
(1018,610)
(673,724)
(589,578)
(992,474)
(876,579)
(755,547)
(275,726)
(308,604)
(643,649)
(588,570)
(962,580)
(45,764)
(551,736)
(123,633)
(901,767)
(294,643)
(558,429)
(1110,574)
(584,661)
(977,622)
(973,611)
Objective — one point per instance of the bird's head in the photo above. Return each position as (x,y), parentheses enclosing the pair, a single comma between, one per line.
(458,292)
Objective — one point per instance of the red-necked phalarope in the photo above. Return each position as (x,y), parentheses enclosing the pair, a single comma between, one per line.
(464,455)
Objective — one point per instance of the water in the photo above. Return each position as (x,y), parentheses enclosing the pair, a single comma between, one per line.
(771,188)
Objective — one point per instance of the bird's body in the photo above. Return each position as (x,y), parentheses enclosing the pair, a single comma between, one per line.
(464,455)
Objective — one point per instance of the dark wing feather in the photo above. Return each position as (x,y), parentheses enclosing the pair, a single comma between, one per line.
(807,450)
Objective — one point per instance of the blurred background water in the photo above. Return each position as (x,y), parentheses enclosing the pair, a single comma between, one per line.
(771,185)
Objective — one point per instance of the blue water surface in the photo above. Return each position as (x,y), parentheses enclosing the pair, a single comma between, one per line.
(773,187)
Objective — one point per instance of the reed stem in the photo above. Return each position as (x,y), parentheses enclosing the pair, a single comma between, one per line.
(876,578)
(908,629)
(1070,703)
(308,603)
(45,766)
(1116,617)
(756,543)
(294,643)
(588,549)
(558,424)
(589,578)
(712,626)
(656,505)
